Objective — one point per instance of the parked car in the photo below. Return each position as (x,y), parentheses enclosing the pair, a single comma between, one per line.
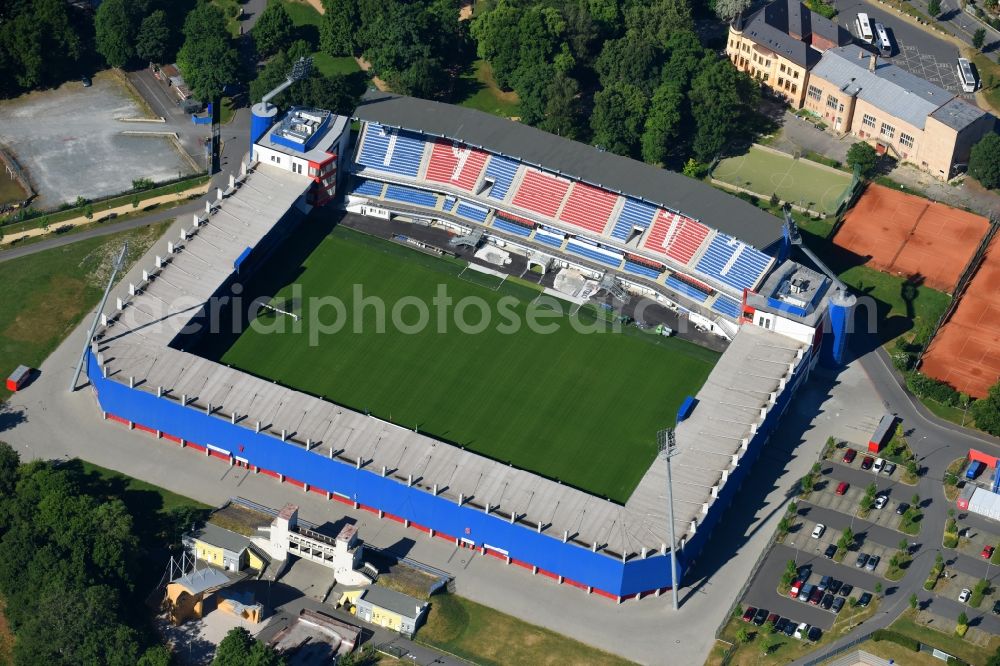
(830,551)
(889,468)
(879,464)
(815,633)
(975,468)
(818,530)
(827,601)
(772,618)
(865,599)
(806,591)
(842,487)
(790,628)
(838,604)
(862,560)
(815,596)
(996,607)
(779,625)
(805,571)
(964,595)
(987,552)
(901,508)
(872,563)
(749,613)
(850,455)
(801,631)
(824,583)
(86,82)
(793,592)
(880,500)
(835,586)
(760,616)
(867,463)
(846,590)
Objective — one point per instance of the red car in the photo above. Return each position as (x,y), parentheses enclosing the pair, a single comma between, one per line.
(867,462)
(842,488)
(816,595)
(849,456)
(794,592)
(987,552)
(748,615)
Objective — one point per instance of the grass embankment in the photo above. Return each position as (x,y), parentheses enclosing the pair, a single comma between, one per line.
(486,636)
(479,90)
(51,291)
(969,652)
(481,376)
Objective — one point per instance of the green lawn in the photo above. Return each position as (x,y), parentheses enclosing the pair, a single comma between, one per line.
(801,182)
(140,497)
(486,636)
(10,191)
(328,65)
(581,408)
(950,643)
(478,90)
(49,293)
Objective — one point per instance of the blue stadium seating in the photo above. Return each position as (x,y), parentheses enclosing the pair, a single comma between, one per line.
(744,271)
(641,269)
(371,188)
(727,306)
(406,153)
(408,195)
(591,253)
(471,212)
(686,289)
(554,241)
(502,170)
(510,227)
(633,214)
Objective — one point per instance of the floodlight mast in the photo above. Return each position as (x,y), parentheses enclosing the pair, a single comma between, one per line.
(300,70)
(794,238)
(667,445)
(119,263)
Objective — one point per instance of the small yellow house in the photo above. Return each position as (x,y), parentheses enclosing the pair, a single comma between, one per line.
(224,548)
(388,608)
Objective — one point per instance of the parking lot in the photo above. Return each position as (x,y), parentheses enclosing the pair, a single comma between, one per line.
(915,50)
(59,136)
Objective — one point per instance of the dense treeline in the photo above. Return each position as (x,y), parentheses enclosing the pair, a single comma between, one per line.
(69,562)
(628,75)
(42,43)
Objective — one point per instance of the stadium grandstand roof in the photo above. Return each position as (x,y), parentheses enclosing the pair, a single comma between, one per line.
(719,210)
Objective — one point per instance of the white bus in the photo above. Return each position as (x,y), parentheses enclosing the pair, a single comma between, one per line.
(965,75)
(864,28)
(882,40)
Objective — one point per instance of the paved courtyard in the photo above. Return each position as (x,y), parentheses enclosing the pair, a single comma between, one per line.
(57,135)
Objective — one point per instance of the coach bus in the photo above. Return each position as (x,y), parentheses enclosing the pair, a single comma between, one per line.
(864,28)
(882,40)
(965,75)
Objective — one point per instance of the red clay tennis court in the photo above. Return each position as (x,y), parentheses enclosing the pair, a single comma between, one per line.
(907,235)
(966,350)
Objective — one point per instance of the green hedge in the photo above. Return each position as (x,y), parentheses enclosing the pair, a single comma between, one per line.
(895,637)
(923,386)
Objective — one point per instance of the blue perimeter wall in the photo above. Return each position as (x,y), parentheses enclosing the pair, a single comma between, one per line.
(546,551)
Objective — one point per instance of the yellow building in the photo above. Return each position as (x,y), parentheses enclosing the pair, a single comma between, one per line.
(388,608)
(901,114)
(223,548)
(780,43)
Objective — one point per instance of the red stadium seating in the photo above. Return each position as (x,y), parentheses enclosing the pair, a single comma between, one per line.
(676,236)
(540,193)
(588,207)
(444,164)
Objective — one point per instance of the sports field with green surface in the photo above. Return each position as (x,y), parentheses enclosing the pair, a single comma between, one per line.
(798,181)
(583,408)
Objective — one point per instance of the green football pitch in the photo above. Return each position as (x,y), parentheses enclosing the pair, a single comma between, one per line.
(579,407)
(798,181)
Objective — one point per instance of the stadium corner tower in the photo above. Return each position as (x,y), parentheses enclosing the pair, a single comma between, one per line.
(719,261)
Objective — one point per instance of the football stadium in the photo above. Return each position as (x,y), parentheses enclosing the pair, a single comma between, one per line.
(536,448)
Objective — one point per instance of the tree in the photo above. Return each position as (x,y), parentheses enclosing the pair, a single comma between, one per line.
(863,157)
(273,29)
(158,655)
(915,500)
(963,624)
(31,33)
(934,8)
(727,10)
(340,22)
(723,100)
(978,38)
(878,589)
(617,119)
(661,137)
(630,59)
(806,483)
(658,20)
(239,648)
(153,40)
(498,41)
(903,544)
(116,23)
(742,636)
(984,166)
(846,539)
(914,601)
(791,571)
(208,59)
(563,115)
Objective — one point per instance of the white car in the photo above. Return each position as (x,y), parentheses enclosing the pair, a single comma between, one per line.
(964,595)
(880,501)
(801,631)
(879,464)
(818,530)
